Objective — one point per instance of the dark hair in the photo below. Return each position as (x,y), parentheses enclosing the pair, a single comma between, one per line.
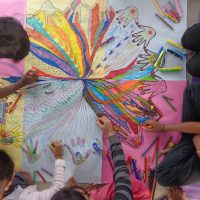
(14,40)
(6,166)
(69,194)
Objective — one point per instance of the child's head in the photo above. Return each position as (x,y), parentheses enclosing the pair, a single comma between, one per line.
(6,171)
(72,193)
(14,40)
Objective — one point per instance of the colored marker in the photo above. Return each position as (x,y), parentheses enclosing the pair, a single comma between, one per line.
(178,53)
(171,12)
(157,55)
(175,44)
(172,7)
(147,126)
(163,59)
(171,69)
(158,7)
(178,8)
(174,54)
(40,175)
(162,20)
(171,18)
(175,15)
(158,61)
(151,145)
(107,41)
(47,172)
(167,100)
(15,103)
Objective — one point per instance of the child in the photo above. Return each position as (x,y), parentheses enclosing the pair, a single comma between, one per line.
(15,45)
(14,41)
(122,188)
(30,192)
(181,166)
(6,172)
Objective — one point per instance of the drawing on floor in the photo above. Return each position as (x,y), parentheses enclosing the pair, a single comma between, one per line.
(92,58)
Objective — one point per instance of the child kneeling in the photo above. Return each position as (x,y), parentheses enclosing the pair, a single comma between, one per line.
(24,192)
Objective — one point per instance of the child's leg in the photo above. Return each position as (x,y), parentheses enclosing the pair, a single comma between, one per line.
(191,38)
(193,65)
(181,165)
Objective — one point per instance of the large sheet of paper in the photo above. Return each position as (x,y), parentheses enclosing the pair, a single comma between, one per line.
(92,57)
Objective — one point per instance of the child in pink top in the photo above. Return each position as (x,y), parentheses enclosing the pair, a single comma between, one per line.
(140,191)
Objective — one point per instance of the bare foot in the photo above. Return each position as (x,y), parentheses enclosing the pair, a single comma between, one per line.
(196,142)
(176,193)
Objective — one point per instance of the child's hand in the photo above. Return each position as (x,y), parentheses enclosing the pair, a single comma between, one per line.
(153,126)
(57,149)
(105,125)
(71,182)
(29,77)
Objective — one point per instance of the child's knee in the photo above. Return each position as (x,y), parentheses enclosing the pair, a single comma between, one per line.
(160,176)
(185,41)
(193,68)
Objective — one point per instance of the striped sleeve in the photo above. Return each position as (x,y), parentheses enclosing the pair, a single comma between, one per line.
(123,189)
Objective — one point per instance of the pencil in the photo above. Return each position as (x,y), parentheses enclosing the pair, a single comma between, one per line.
(108,157)
(146,169)
(135,169)
(169,103)
(14,104)
(47,172)
(158,7)
(162,20)
(3,112)
(153,189)
(154,154)
(34,176)
(166,145)
(40,175)
(154,141)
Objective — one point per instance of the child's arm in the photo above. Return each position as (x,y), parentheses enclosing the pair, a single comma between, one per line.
(58,181)
(29,78)
(186,127)
(123,188)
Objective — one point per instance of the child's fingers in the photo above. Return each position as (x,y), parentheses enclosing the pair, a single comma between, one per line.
(99,123)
